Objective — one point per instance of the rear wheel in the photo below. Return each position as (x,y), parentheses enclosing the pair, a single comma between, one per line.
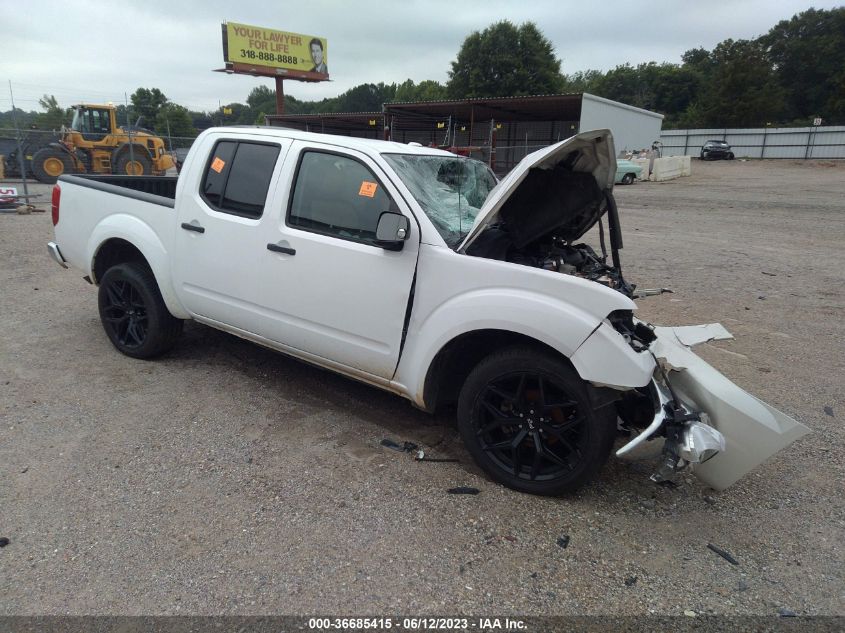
(526,418)
(137,165)
(730,155)
(133,313)
(49,163)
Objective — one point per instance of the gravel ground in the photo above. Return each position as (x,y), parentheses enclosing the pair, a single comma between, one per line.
(226,478)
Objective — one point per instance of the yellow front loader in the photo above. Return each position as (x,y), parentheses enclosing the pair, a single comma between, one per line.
(95,144)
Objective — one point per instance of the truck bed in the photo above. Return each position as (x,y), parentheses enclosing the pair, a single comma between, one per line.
(156,189)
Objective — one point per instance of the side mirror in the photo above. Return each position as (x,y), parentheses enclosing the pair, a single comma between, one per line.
(392,231)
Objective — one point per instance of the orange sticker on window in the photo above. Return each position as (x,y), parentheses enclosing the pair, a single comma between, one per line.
(218,164)
(368,189)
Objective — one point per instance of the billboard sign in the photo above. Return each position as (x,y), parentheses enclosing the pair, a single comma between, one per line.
(258,51)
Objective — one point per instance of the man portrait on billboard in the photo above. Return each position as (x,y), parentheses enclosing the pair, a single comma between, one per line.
(316,47)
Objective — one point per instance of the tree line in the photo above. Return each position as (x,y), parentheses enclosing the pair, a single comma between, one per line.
(788,76)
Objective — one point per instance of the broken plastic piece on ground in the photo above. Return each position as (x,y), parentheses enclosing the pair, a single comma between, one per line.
(405,447)
(723,554)
(420,457)
(563,541)
(463,490)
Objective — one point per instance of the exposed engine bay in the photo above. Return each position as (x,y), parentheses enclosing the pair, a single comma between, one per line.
(543,218)
(551,253)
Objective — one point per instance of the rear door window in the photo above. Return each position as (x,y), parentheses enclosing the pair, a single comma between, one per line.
(238,175)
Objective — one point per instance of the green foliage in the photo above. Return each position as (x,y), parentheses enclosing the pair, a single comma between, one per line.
(174,120)
(146,102)
(808,53)
(54,116)
(505,60)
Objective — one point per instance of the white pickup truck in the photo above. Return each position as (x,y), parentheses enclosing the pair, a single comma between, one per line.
(415,271)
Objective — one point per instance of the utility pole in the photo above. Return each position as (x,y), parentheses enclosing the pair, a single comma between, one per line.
(129,132)
(20,147)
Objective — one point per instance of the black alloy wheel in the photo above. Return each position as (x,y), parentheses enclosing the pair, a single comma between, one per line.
(125,314)
(133,313)
(528,421)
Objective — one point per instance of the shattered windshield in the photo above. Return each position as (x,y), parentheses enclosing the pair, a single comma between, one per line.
(450,189)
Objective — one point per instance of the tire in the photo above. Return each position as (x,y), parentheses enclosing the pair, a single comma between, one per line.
(628,179)
(730,155)
(49,163)
(137,165)
(549,453)
(704,155)
(133,313)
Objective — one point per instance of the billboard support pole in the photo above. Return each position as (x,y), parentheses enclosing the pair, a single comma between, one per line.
(280,95)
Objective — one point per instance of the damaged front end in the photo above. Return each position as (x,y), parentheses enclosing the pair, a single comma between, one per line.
(707,422)
(535,217)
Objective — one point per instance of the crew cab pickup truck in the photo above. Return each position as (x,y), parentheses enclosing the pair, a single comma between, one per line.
(416,271)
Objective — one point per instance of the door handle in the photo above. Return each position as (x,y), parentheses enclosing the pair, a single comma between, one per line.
(276,248)
(193,227)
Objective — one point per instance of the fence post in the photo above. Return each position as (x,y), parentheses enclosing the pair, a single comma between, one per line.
(686,141)
(21,159)
(763,149)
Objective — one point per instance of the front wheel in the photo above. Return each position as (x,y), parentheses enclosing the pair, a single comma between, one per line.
(49,163)
(730,156)
(527,419)
(628,179)
(133,165)
(133,313)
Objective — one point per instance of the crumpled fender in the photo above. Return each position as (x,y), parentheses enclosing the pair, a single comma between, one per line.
(753,430)
(606,359)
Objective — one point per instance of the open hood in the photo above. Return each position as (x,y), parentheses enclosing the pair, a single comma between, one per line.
(560,187)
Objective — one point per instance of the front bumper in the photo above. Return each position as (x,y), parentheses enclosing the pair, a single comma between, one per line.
(56,254)
(752,430)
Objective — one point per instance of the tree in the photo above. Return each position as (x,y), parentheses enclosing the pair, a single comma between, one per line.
(54,115)
(808,53)
(743,89)
(174,120)
(147,103)
(505,60)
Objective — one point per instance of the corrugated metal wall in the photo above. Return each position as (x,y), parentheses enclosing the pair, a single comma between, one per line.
(632,128)
(792,142)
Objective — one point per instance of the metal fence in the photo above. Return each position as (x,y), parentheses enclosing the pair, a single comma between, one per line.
(789,142)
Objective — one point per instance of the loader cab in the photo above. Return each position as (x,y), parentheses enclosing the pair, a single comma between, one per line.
(92,122)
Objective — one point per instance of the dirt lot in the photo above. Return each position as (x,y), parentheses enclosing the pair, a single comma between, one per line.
(225,478)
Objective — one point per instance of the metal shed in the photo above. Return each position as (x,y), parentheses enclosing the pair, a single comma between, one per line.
(499,131)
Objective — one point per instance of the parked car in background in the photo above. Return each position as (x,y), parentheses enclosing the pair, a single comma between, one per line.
(627,172)
(714,150)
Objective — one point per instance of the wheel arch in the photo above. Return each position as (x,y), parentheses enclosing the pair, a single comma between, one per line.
(450,367)
(121,238)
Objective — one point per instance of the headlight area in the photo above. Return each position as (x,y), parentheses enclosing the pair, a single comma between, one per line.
(656,411)
(638,335)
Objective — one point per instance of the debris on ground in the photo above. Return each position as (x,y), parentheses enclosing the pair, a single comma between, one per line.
(690,614)
(4,541)
(563,541)
(405,447)
(769,274)
(630,581)
(829,411)
(786,613)
(710,500)
(420,457)
(463,490)
(723,554)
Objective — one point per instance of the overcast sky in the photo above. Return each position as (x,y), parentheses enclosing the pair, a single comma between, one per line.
(87,50)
